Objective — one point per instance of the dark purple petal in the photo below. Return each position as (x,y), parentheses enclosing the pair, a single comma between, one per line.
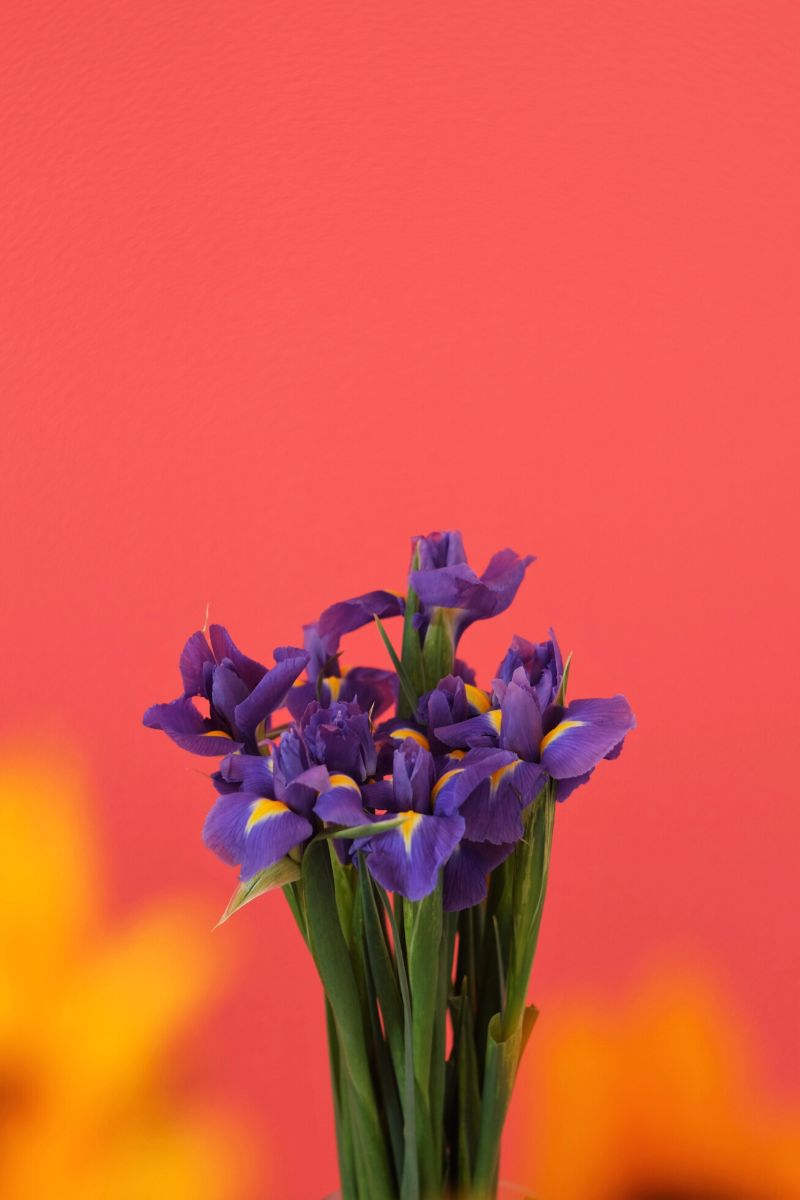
(348,615)
(251,772)
(521,727)
(436,550)
(224,829)
(459,587)
(467,870)
(223,645)
(413,777)
(227,691)
(460,780)
(300,695)
(493,811)
(565,787)
(374,689)
(181,721)
(302,791)
(272,691)
(483,730)
(342,804)
(587,732)
(195,653)
(271,839)
(407,860)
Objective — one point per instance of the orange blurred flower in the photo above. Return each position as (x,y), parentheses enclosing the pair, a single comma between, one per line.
(88,1017)
(657,1101)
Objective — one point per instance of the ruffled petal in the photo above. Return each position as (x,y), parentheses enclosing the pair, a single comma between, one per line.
(587,731)
(407,860)
(271,692)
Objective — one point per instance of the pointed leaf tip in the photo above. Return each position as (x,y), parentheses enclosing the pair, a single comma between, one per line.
(286,870)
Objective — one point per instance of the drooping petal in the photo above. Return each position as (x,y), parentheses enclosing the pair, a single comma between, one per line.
(349,615)
(224,829)
(458,587)
(181,721)
(565,787)
(250,772)
(466,872)
(587,732)
(493,811)
(195,653)
(407,860)
(460,780)
(271,692)
(272,830)
(342,804)
(301,792)
(482,730)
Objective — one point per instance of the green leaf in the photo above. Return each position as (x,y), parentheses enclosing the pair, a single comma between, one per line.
(409,1184)
(358,831)
(468,1086)
(332,957)
(283,872)
(412,648)
(438,653)
(382,967)
(562,691)
(503,1054)
(405,683)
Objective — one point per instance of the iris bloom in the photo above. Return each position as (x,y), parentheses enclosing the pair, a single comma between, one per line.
(242,695)
(267,816)
(407,858)
(547,739)
(374,689)
(444,582)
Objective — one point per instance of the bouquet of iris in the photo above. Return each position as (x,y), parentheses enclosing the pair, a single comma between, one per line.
(412,849)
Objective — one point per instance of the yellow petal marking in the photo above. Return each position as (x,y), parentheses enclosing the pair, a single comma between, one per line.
(344,781)
(410,822)
(560,728)
(263,810)
(441,782)
(497,776)
(456,754)
(477,698)
(334,684)
(495,717)
(217,733)
(414,734)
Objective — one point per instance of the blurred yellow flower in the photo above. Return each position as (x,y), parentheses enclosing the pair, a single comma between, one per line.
(88,1018)
(657,1100)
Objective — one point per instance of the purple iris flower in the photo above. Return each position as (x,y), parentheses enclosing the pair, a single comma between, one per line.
(267,817)
(374,689)
(542,664)
(565,744)
(406,859)
(445,581)
(339,737)
(241,694)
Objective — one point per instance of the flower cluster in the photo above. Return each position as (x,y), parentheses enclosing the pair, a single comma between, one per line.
(439,788)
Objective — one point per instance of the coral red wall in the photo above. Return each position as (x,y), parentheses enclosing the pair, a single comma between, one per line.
(285,284)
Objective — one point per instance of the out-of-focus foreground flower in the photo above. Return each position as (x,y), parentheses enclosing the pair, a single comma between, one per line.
(658,1100)
(88,1019)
